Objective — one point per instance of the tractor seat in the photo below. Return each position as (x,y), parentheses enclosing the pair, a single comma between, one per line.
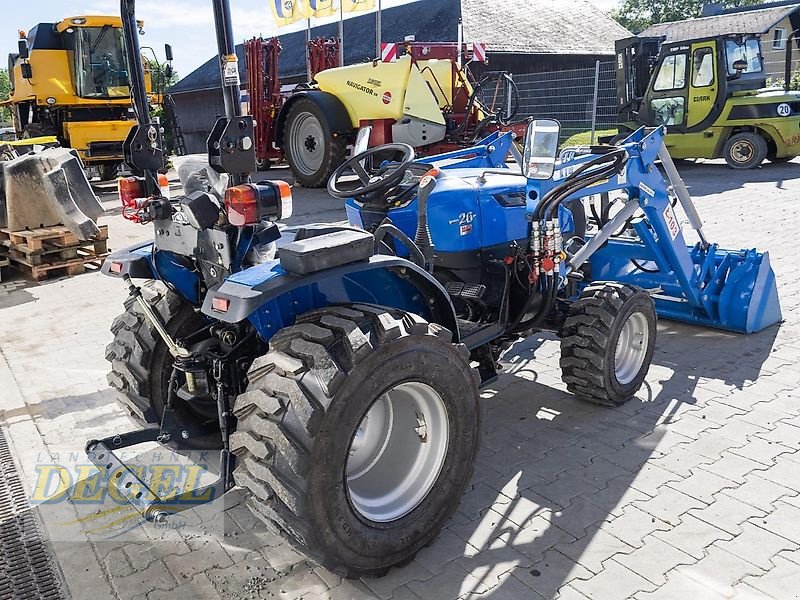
(327,251)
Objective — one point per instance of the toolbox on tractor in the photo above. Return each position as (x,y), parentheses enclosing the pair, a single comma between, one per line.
(340,378)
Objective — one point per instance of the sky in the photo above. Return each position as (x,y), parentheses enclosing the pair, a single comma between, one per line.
(186,24)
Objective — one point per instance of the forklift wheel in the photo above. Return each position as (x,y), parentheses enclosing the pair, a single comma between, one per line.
(357,435)
(607,343)
(745,150)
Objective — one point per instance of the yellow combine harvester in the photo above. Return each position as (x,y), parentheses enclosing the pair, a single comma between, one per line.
(71,80)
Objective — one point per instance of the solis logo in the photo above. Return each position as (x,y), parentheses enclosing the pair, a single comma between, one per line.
(387,97)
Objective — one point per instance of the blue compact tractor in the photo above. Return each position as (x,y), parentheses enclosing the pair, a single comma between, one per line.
(339,375)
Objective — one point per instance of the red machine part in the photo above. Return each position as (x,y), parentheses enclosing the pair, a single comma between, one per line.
(264,90)
(323,54)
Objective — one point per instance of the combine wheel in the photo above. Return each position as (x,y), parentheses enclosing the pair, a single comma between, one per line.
(607,343)
(357,435)
(108,171)
(311,149)
(745,150)
(141,366)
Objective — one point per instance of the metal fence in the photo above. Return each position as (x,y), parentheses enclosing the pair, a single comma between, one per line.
(582,100)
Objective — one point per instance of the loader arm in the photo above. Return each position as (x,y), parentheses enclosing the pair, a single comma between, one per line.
(698,283)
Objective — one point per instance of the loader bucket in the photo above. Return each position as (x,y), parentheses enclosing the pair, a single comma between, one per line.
(728,289)
(50,188)
(748,299)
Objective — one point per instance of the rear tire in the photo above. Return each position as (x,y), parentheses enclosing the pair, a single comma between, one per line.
(141,364)
(359,500)
(745,150)
(312,149)
(607,343)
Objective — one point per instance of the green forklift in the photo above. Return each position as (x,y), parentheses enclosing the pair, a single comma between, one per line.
(712,97)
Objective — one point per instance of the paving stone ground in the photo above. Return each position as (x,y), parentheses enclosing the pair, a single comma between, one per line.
(691,490)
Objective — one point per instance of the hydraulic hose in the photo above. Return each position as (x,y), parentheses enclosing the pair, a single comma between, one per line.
(580,179)
(577,181)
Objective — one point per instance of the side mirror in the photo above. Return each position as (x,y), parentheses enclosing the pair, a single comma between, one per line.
(26,70)
(739,66)
(168,52)
(541,149)
(168,72)
(23,49)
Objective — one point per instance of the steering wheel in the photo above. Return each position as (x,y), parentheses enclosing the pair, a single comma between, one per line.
(367,181)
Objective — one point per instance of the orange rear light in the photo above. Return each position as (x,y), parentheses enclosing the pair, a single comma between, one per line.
(285,191)
(130,189)
(241,202)
(163,183)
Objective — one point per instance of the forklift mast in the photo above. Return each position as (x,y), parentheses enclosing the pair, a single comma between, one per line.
(636,57)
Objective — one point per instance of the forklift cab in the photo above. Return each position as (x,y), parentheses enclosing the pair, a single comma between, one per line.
(687,83)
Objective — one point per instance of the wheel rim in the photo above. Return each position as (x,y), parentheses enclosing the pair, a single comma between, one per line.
(397,452)
(631,348)
(307,144)
(742,151)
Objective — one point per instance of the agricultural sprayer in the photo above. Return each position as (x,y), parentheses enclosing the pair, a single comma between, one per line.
(340,378)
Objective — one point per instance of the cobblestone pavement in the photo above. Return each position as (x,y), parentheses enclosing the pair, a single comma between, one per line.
(688,491)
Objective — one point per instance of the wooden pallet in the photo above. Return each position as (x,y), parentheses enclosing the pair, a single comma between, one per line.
(4,262)
(75,266)
(37,240)
(48,251)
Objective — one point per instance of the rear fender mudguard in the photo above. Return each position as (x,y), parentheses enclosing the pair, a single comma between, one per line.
(137,262)
(272,299)
(331,106)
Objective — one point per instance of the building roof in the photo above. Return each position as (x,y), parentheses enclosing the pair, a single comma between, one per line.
(541,26)
(760,20)
(525,26)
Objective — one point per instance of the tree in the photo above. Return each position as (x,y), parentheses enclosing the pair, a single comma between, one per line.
(5,93)
(637,15)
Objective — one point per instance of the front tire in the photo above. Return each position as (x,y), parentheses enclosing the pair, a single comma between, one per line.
(745,150)
(357,435)
(607,343)
(313,150)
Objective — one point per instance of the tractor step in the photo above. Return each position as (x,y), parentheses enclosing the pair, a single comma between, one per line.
(474,335)
(467,291)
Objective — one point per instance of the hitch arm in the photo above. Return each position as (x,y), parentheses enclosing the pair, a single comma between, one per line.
(136,292)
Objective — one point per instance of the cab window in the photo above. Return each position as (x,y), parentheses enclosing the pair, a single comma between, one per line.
(668,111)
(672,73)
(749,51)
(702,67)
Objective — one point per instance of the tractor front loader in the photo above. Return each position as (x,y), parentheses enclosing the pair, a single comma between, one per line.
(339,378)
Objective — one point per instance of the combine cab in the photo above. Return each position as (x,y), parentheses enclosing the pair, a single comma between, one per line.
(71,80)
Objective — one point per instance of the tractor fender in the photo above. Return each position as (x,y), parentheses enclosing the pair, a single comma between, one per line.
(272,299)
(133,261)
(331,106)
(137,262)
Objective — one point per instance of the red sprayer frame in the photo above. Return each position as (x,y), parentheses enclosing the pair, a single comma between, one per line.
(264,91)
